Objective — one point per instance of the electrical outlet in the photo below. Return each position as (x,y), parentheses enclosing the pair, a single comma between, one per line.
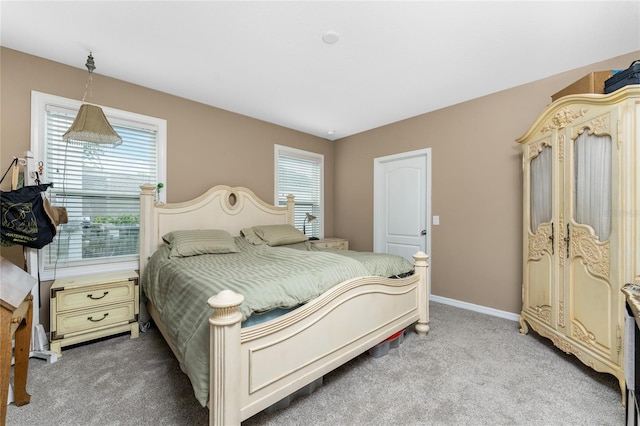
(436,220)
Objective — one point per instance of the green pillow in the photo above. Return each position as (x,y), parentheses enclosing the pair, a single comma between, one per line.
(250,235)
(277,235)
(201,241)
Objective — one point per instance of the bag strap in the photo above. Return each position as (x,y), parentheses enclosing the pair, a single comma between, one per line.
(11,166)
(15,173)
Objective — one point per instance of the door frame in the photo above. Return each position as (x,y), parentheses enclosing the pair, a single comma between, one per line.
(377,199)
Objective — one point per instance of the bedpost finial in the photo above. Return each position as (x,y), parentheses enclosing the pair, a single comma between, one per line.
(225,307)
(420,258)
(226,299)
(148,189)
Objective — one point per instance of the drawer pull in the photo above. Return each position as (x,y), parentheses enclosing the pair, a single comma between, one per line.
(97,320)
(90,296)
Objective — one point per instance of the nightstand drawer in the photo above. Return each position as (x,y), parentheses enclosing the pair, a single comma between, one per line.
(96,295)
(334,243)
(92,319)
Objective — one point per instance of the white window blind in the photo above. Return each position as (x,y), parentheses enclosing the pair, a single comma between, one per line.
(99,185)
(300,173)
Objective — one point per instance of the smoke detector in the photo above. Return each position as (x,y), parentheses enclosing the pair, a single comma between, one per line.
(330,37)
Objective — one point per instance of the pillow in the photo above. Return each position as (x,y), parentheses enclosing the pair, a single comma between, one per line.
(201,241)
(277,235)
(250,235)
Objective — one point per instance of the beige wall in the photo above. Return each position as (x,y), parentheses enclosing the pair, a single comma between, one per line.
(476,186)
(206,146)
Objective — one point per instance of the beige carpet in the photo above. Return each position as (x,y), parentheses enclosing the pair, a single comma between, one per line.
(472,369)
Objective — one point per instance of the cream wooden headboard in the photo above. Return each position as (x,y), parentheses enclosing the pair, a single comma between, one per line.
(221,207)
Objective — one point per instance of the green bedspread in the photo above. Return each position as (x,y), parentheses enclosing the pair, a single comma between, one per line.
(267,277)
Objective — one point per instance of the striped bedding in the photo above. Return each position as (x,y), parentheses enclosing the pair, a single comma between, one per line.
(268,277)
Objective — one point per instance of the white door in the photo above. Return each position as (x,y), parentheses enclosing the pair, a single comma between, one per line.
(402,203)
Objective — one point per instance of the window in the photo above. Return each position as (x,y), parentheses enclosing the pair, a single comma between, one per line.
(301,173)
(98,184)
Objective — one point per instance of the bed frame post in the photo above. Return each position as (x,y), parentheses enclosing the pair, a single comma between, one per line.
(291,209)
(147,199)
(421,265)
(224,342)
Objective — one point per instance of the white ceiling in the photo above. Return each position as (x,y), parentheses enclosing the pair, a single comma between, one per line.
(267,60)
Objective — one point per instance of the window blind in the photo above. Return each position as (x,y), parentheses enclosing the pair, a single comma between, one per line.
(99,185)
(301,177)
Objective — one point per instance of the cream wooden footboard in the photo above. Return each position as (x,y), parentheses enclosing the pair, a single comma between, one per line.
(254,367)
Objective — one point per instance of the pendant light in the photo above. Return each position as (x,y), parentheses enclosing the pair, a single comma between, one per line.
(91,125)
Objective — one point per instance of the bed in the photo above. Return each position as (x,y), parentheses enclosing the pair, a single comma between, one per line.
(253,367)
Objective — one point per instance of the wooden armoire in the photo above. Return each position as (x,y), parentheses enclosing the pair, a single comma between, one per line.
(581,230)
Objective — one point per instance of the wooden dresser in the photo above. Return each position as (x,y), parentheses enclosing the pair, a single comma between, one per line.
(93,306)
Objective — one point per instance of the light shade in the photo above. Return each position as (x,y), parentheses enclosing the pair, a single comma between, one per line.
(308,218)
(91,125)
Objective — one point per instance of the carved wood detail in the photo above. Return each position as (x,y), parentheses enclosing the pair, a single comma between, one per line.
(543,313)
(579,332)
(595,253)
(562,118)
(561,313)
(620,134)
(524,329)
(562,245)
(562,344)
(536,148)
(598,126)
(540,242)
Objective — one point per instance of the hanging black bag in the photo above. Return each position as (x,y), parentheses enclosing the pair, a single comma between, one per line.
(24,218)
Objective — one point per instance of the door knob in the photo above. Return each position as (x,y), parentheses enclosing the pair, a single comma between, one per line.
(423,232)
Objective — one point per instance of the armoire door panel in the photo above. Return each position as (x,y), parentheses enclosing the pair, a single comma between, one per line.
(539,288)
(591,165)
(590,309)
(595,254)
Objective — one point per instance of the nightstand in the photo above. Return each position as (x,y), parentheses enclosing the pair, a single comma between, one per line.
(93,306)
(331,242)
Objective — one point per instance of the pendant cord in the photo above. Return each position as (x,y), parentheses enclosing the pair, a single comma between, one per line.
(91,65)
(87,89)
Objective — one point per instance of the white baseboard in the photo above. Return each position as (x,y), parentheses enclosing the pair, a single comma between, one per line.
(477,308)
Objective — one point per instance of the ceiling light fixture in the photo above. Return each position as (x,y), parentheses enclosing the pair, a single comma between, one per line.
(91,125)
(330,37)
